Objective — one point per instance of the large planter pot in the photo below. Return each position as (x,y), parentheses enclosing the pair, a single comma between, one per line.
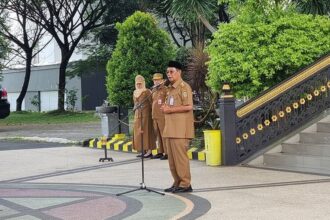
(212,140)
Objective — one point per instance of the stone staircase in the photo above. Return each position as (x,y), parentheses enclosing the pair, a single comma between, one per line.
(308,151)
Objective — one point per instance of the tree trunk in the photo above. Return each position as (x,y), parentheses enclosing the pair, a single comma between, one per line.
(62,81)
(26,82)
(207,23)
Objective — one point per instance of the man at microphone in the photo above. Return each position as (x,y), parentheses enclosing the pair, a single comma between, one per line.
(179,128)
(158,99)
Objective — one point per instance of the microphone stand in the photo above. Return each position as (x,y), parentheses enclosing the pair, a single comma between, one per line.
(143,186)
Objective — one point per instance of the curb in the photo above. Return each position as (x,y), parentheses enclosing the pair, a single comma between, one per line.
(195,153)
(119,144)
(42,139)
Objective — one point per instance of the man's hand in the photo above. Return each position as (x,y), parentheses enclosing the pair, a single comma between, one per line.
(166,109)
(176,109)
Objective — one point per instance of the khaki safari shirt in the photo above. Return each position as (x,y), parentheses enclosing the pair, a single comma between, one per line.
(158,99)
(179,125)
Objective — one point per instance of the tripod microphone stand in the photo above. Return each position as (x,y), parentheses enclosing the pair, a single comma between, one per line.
(143,186)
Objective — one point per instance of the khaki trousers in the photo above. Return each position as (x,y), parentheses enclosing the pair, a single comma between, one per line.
(159,125)
(178,161)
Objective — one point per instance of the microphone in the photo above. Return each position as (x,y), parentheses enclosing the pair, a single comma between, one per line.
(156,86)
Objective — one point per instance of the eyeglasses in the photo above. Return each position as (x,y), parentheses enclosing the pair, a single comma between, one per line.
(171,72)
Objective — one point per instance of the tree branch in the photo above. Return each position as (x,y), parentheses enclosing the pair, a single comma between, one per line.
(171,32)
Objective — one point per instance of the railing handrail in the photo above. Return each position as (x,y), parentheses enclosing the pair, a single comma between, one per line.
(275,91)
(273,114)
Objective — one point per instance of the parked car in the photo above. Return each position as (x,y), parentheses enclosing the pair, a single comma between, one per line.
(4,104)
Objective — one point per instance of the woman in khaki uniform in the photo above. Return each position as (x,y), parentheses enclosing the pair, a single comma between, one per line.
(141,94)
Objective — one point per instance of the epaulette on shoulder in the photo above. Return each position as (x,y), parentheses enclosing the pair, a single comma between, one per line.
(183,84)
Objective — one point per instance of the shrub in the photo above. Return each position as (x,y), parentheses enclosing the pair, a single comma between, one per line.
(142,48)
(254,57)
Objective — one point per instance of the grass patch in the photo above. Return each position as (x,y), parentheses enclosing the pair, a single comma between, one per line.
(53,117)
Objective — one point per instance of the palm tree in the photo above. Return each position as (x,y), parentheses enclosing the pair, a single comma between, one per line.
(192,10)
(316,7)
(195,14)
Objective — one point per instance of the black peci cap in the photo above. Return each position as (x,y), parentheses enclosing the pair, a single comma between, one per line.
(175,64)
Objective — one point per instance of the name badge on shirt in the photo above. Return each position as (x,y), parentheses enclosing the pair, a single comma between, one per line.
(171,101)
(159,101)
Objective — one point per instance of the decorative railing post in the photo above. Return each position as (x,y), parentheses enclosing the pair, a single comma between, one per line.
(228,126)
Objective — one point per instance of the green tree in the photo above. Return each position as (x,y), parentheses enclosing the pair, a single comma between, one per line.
(254,56)
(142,48)
(3,47)
(252,11)
(3,51)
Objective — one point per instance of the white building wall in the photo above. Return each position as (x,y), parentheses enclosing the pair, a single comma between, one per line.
(48,100)
(44,80)
(12,97)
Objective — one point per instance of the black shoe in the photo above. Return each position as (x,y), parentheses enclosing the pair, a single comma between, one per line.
(171,189)
(182,189)
(159,155)
(139,155)
(165,157)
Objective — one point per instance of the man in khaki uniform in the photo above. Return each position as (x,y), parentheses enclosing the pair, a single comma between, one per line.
(179,128)
(158,99)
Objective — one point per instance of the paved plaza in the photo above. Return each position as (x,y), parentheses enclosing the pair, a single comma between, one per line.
(64,181)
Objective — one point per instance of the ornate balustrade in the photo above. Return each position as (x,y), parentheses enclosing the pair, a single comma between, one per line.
(273,114)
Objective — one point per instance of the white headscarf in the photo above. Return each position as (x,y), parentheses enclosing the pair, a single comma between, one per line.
(137,91)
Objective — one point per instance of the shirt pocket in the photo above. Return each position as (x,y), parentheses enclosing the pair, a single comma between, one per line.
(177,99)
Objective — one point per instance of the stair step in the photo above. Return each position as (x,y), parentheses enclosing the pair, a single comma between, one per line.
(301,163)
(315,138)
(306,149)
(326,119)
(323,127)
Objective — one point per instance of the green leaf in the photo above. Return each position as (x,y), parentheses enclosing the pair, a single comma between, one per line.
(142,48)
(255,56)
